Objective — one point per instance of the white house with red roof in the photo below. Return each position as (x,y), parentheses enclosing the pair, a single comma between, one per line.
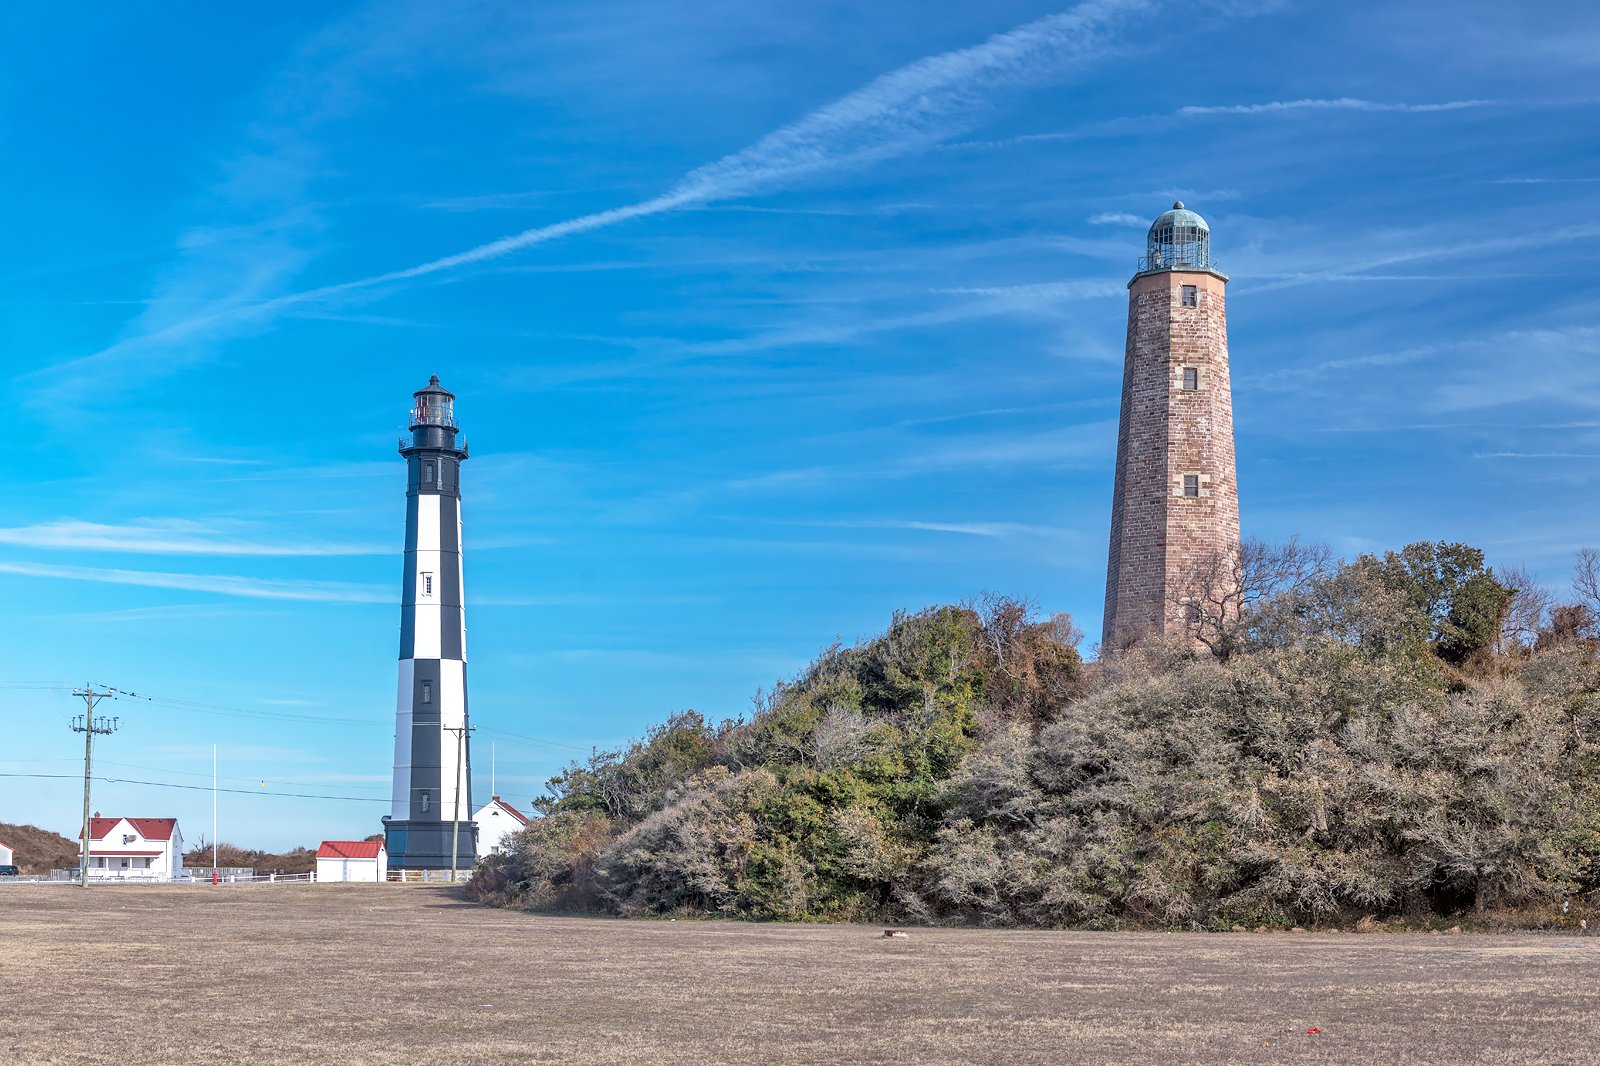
(8,854)
(352,860)
(497,820)
(145,849)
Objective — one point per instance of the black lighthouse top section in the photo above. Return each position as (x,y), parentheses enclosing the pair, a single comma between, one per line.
(433,422)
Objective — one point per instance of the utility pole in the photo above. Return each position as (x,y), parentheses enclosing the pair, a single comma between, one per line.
(461,732)
(89,725)
(213,810)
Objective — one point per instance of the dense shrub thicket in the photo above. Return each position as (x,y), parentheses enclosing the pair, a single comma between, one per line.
(1391,735)
(293,861)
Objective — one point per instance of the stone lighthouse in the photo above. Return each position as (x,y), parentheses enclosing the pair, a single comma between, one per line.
(432,811)
(1175,512)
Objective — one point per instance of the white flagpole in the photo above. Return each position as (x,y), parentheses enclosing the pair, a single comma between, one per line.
(213,808)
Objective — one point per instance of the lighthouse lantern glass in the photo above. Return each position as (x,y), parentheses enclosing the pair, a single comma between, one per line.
(433,409)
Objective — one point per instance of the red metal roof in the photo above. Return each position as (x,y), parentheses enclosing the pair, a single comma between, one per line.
(349,849)
(149,828)
(518,815)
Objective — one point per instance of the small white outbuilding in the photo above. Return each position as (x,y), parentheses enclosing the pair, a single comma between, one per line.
(496,821)
(352,860)
(8,857)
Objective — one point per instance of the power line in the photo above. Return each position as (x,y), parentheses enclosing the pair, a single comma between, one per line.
(537,740)
(181,773)
(226,711)
(243,712)
(200,707)
(205,788)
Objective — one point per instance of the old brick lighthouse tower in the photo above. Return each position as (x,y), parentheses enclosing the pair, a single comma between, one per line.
(1176,507)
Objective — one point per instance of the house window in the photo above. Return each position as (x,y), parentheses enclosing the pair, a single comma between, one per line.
(1190,297)
(1191,484)
(427,692)
(427,472)
(427,584)
(1191,379)
(100,864)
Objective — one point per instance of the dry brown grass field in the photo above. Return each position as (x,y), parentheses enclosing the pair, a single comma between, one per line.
(392,974)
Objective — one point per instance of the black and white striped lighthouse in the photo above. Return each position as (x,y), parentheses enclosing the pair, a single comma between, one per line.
(432,808)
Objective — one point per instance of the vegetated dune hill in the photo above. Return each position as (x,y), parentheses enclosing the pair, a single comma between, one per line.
(1411,737)
(39,850)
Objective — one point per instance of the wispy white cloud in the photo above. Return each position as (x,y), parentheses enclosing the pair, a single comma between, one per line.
(894,113)
(1295,376)
(1141,123)
(167,536)
(165,613)
(1543,181)
(218,460)
(1536,455)
(1044,293)
(1415,251)
(996,412)
(1343,103)
(221,584)
(498,201)
(898,112)
(1118,218)
(1068,446)
(998,530)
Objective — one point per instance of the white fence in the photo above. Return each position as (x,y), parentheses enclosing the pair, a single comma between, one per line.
(237,876)
(241,876)
(430,877)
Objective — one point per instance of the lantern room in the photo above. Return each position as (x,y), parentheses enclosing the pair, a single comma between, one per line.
(433,406)
(1178,240)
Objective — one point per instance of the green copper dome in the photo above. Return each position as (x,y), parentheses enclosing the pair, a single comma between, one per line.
(1179,218)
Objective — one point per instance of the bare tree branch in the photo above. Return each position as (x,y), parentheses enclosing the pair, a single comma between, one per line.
(1525,614)
(1586,580)
(1223,589)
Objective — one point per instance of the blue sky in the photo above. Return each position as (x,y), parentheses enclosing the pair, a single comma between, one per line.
(766,320)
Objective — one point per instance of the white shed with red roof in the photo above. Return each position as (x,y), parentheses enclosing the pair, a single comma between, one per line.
(8,855)
(496,821)
(136,849)
(352,860)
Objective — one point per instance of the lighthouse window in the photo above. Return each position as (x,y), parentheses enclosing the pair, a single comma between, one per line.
(427,473)
(427,584)
(427,692)
(1191,379)
(1190,296)
(1191,484)
(424,799)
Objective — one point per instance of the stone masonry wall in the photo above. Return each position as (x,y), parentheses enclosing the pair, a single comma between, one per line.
(1158,535)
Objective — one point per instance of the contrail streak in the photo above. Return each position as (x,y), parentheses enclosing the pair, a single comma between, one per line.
(894,113)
